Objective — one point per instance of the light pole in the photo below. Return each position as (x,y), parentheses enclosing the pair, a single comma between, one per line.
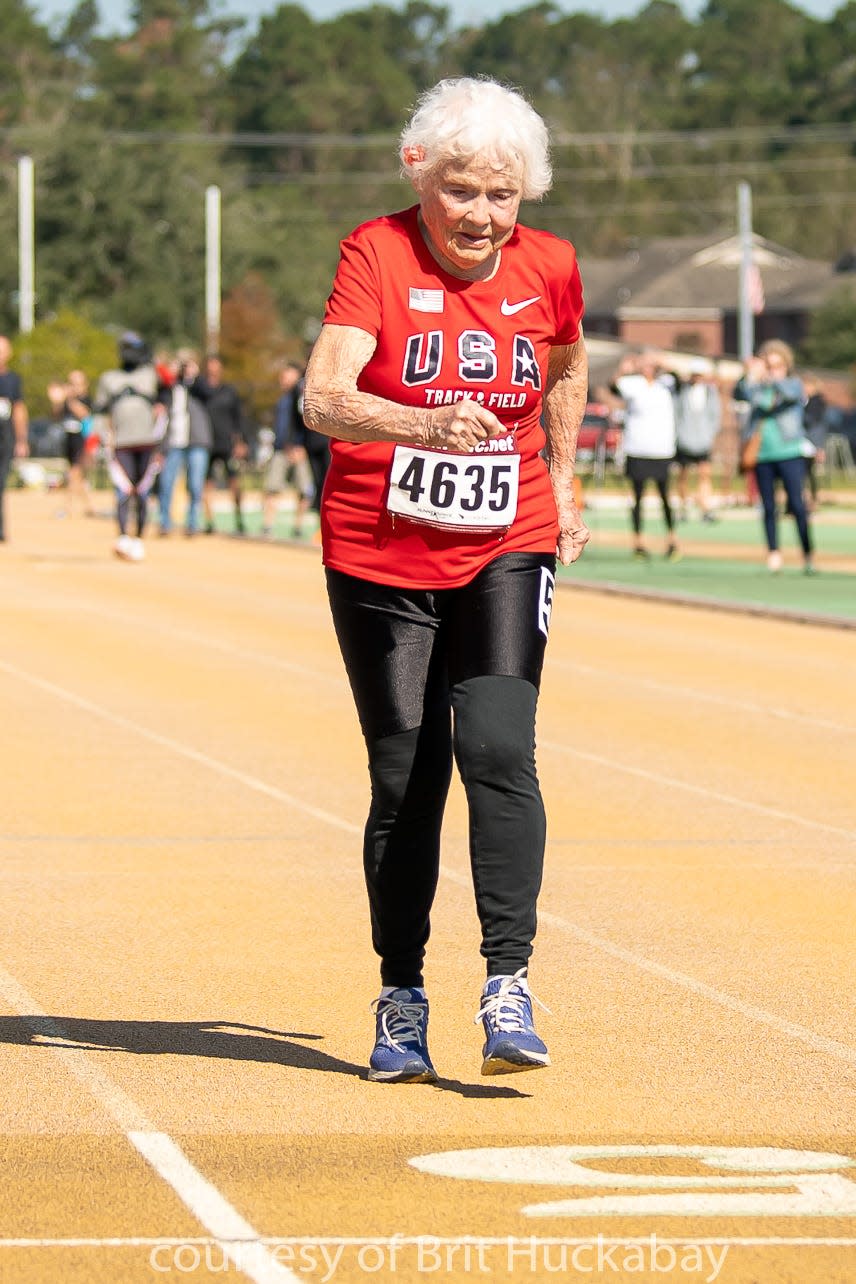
(212,268)
(745,315)
(26,246)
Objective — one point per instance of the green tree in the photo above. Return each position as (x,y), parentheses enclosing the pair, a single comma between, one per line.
(751,63)
(356,74)
(27,84)
(166,75)
(122,228)
(831,340)
(67,341)
(252,341)
(120,185)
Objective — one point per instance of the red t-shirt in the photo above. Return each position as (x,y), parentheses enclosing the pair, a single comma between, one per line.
(440,339)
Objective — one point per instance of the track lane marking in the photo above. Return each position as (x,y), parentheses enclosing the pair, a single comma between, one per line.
(818,1042)
(672,782)
(253,782)
(240,1242)
(799,1032)
(703,697)
(387,1241)
(178,747)
(555,662)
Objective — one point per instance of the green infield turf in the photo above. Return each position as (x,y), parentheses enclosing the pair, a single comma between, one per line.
(833,527)
(721,580)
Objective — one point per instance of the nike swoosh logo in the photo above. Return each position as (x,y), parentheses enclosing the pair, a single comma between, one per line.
(508,309)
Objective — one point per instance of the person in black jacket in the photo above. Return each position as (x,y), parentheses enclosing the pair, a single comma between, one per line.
(317,451)
(816,420)
(229,443)
(289,464)
(14,422)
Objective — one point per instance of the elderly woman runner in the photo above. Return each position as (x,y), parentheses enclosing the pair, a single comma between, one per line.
(451,344)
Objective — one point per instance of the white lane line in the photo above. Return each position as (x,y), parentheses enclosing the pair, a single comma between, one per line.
(177,747)
(338,681)
(702,697)
(238,652)
(721,997)
(817,1042)
(241,1243)
(672,782)
(389,1241)
(253,782)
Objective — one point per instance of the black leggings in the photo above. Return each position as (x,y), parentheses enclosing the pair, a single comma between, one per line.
(134,473)
(640,471)
(7,454)
(434,674)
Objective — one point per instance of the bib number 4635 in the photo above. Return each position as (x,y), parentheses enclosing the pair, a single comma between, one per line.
(454,490)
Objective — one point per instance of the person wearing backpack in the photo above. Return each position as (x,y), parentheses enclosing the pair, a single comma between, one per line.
(128,398)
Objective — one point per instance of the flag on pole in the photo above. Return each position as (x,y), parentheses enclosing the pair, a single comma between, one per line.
(755,289)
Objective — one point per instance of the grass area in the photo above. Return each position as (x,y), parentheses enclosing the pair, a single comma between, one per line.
(833,528)
(283,527)
(697,577)
(830,593)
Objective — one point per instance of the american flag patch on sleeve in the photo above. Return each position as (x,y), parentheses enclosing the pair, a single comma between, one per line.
(426,300)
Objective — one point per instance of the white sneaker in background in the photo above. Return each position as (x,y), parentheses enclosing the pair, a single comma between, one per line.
(122,547)
(138,551)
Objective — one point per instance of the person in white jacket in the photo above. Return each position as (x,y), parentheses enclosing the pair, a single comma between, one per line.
(649,439)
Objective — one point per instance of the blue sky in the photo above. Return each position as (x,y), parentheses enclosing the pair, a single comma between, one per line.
(114,12)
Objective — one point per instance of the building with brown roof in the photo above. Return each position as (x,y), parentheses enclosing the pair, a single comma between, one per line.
(681,293)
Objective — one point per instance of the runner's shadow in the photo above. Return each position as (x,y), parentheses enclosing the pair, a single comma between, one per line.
(230,1040)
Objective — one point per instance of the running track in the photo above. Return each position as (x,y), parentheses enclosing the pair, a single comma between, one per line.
(185,971)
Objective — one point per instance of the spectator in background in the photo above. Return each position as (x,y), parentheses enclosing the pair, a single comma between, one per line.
(72,406)
(128,397)
(187,443)
(753,371)
(14,421)
(318,452)
(776,397)
(649,439)
(289,463)
(698,419)
(816,420)
(229,445)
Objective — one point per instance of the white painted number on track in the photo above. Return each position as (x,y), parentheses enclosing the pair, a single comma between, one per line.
(751,1181)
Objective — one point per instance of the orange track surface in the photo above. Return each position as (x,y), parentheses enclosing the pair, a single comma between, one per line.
(185,973)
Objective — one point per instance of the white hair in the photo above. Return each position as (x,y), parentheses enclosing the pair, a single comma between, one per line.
(461,119)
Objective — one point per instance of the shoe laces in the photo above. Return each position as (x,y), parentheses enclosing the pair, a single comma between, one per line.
(508,1009)
(400,1021)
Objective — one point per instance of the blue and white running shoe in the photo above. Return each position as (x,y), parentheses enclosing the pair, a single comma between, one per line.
(400,1053)
(506,1014)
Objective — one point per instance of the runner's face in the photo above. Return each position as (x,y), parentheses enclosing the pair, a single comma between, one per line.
(468,212)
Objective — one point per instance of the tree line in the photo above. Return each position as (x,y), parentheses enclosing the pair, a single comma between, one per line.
(655,118)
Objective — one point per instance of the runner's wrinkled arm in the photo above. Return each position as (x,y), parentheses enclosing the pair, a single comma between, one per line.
(564,406)
(333,404)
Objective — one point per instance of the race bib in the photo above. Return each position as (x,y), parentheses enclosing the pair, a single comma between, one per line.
(5,408)
(476,492)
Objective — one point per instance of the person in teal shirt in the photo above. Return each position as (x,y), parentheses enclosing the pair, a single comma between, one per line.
(776,398)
